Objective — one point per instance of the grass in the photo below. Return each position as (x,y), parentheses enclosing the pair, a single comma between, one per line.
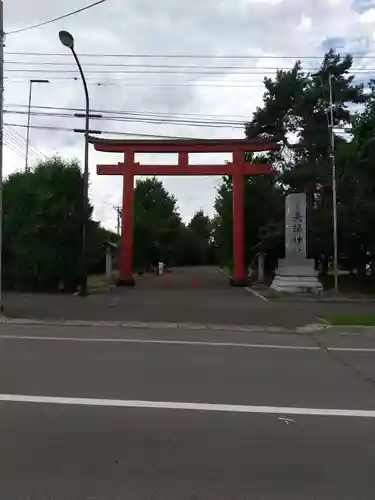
(351,320)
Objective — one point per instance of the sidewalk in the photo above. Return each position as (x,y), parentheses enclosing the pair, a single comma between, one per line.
(227,307)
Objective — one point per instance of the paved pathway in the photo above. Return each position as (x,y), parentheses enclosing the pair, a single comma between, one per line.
(192,295)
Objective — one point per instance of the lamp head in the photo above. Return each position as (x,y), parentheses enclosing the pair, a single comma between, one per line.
(67,39)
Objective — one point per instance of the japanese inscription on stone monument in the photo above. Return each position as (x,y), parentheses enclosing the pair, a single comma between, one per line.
(295,226)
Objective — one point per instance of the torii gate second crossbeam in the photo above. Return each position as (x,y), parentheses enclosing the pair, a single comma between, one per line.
(129,168)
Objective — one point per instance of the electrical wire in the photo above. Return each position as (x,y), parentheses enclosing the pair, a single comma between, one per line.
(112,132)
(20,143)
(14,147)
(126,65)
(131,112)
(11,147)
(32,149)
(44,23)
(153,120)
(121,83)
(251,71)
(177,56)
(18,148)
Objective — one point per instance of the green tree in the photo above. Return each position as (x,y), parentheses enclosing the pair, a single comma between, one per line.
(295,110)
(157,224)
(356,190)
(42,227)
(264,199)
(200,242)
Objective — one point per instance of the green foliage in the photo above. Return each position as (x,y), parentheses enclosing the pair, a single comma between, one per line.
(42,227)
(296,111)
(264,205)
(160,234)
(157,224)
(200,245)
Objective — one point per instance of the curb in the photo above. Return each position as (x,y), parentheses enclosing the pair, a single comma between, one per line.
(161,325)
(361,327)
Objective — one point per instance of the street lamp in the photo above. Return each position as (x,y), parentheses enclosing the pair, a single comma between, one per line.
(28,121)
(68,41)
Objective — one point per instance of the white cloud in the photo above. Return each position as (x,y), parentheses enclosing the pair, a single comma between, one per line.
(256,28)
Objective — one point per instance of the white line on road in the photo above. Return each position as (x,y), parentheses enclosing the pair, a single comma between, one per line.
(183,342)
(123,403)
(150,341)
(256,294)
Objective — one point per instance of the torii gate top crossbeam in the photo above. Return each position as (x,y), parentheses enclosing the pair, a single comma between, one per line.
(237,147)
(182,145)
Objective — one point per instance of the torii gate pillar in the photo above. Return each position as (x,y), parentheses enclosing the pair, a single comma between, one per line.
(127,233)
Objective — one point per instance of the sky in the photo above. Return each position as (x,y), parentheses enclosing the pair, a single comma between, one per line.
(238,42)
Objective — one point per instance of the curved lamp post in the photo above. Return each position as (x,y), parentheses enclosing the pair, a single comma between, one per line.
(68,41)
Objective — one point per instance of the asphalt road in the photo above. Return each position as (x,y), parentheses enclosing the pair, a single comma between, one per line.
(114,413)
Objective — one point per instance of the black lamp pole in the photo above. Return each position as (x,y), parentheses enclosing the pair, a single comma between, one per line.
(68,41)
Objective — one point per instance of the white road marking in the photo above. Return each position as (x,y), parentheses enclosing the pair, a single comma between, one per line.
(256,294)
(287,420)
(150,341)
(184,342)
(168,405)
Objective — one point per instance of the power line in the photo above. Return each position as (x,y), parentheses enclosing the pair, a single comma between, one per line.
(33,149)
(130,112)
(250,71)
(21,142)
(244,70)
(126,65)
(14,147)
(17,146)
(123,83)
(56,18)
(153,120)
(10,146)
(178,56)
(112,132)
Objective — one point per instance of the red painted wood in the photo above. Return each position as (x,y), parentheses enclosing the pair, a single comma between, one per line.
(238,169)
(226,169)
(182,145)
(238,201)
(126,244)
(110,169)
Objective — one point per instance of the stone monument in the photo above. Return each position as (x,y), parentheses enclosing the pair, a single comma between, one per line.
(296,273)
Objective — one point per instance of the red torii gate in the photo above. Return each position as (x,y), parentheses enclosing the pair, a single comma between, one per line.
(238,168)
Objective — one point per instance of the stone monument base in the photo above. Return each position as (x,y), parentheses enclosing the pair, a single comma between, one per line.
(297,277)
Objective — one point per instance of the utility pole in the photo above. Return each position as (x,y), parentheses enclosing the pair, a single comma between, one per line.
(334,188)
(2,40)
(119,213)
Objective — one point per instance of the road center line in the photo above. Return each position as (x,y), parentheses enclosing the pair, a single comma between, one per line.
(151,341)
(121,403)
